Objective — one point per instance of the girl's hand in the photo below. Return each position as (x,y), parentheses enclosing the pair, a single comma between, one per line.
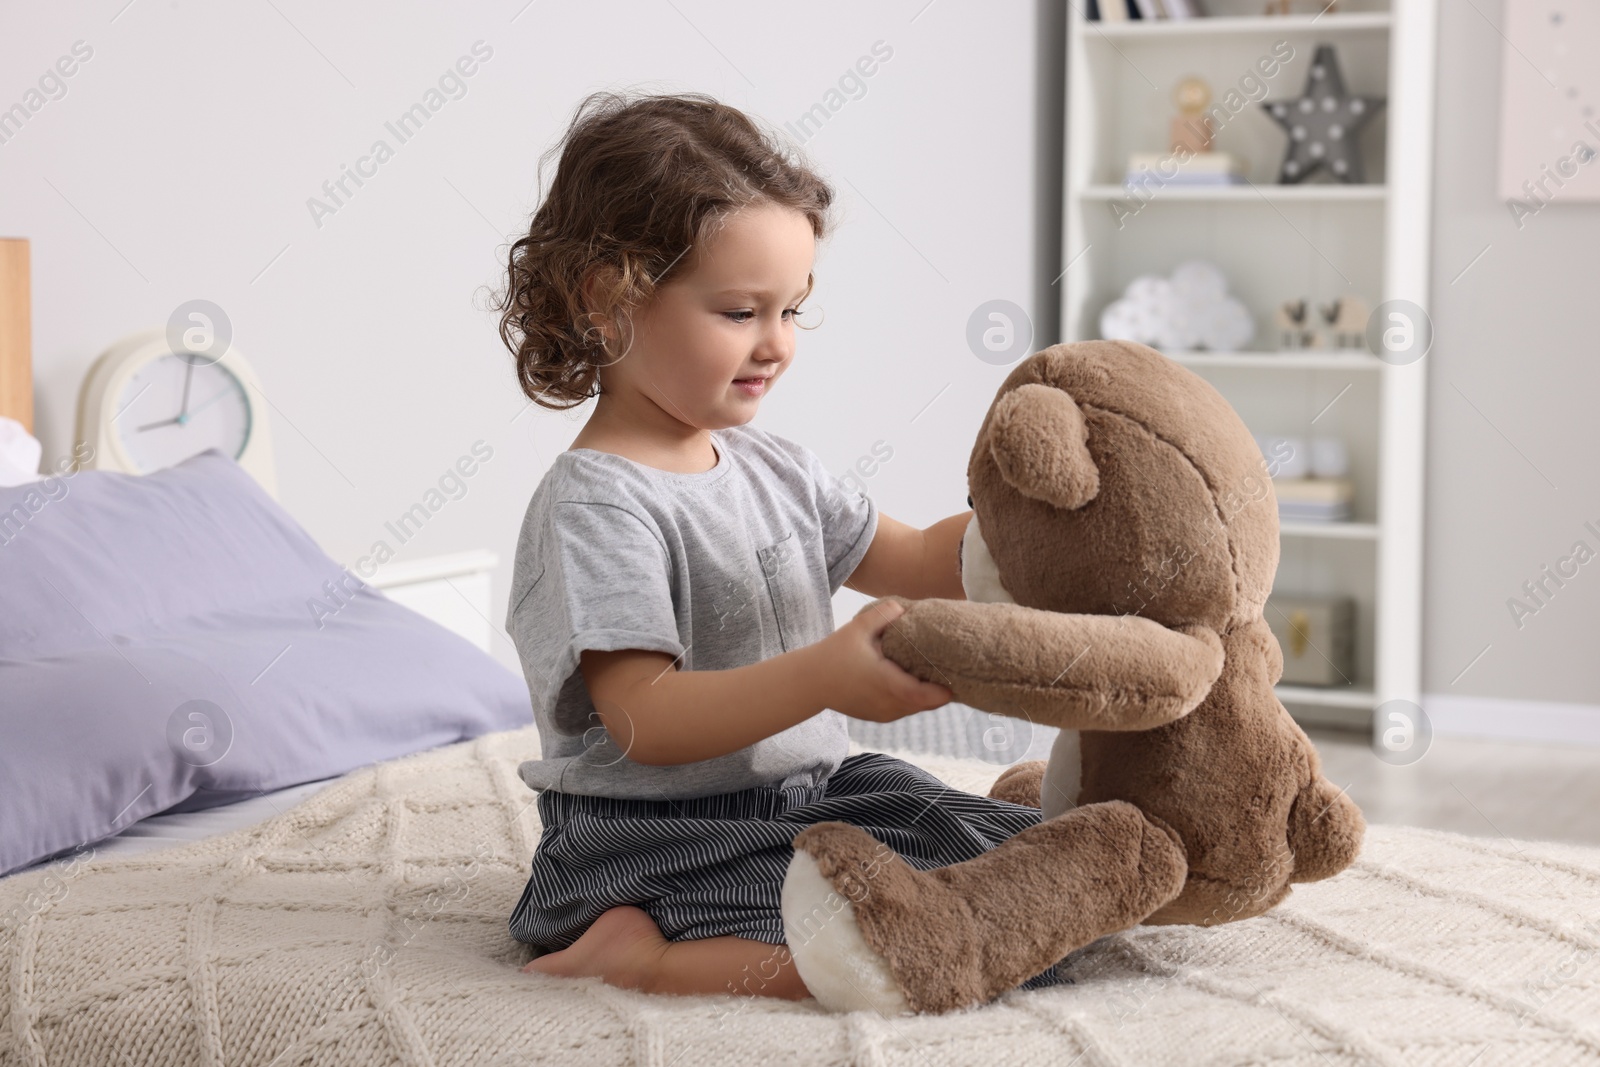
(865,684)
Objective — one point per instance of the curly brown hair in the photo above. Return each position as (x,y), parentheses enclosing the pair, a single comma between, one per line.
(640,182)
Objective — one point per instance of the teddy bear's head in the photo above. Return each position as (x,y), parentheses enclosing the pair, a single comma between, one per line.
(1108,479)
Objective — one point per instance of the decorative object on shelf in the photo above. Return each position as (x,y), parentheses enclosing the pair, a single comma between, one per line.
(1295,327)
(1289,454)
(1311,483)
(1345,322)
(147,404)
(1329,458)
(1191,128)
(1190,159)
(1323,124)
(1189,310)
(1339,326)
(1317,635)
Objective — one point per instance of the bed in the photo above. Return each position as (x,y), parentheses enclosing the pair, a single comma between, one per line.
(367,925)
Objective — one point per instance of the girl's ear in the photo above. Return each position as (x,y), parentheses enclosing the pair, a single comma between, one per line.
(1039,440)
(596,328)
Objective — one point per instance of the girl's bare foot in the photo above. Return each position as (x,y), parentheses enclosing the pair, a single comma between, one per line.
(622,946)
(626,948)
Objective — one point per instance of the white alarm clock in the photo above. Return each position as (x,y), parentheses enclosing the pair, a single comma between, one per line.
(148,404)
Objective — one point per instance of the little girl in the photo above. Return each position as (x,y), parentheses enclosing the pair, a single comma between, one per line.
(671,596)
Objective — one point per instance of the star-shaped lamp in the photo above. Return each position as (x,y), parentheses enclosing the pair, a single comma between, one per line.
(1323,123)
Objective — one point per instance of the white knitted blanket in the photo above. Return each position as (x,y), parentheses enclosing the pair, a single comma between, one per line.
(368,926)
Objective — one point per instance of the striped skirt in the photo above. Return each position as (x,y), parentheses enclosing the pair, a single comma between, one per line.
(709,866)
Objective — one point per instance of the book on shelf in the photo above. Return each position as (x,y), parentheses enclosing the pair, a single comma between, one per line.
(1145,178)
(1200,168)
(1123,10)
(1313,499)
(1323,514)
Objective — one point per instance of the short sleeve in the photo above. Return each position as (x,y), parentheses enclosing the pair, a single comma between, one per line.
(849,521)
(606,584)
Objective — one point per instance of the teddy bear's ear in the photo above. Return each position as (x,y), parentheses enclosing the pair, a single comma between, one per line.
(1038,438)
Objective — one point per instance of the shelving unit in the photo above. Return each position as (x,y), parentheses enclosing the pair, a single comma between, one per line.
(1276,242)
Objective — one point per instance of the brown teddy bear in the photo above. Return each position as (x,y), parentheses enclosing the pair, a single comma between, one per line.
(1123,542)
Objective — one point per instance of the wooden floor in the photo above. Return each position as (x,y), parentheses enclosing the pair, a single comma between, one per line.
(1512,789)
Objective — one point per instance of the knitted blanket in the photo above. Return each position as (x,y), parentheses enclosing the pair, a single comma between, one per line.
(367,925)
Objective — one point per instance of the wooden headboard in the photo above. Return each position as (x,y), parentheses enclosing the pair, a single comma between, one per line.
(16,332)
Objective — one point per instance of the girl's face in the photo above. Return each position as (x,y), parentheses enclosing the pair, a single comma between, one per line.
(703,345)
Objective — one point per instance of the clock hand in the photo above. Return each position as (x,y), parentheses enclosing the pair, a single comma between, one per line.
(188,375)
(183,419)
(163,422)
(208,403)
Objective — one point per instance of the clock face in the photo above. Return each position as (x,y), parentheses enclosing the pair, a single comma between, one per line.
(177,405)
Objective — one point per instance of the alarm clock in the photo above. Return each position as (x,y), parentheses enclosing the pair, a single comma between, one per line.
(148,404)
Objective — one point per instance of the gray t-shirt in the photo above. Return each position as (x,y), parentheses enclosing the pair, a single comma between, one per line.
(721,568)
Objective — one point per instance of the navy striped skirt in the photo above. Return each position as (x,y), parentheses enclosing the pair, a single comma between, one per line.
(709,866)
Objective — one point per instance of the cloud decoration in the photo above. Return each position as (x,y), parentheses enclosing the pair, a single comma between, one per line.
(1189,310)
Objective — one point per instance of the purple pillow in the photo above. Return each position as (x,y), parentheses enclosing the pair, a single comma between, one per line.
(176,641)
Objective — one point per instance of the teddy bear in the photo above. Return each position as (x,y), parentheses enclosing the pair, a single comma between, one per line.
(1123,541)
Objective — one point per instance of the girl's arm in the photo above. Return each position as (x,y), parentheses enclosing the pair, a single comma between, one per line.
(916,564)
(660,715)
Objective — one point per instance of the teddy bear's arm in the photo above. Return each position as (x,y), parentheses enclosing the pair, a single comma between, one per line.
(1076,672)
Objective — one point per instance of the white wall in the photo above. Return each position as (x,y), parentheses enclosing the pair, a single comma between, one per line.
(179,162)
(1513,383)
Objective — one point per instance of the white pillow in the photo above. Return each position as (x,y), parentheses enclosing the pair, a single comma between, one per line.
(19,454)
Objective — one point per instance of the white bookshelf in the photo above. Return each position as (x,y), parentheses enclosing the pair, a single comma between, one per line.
(1275,242)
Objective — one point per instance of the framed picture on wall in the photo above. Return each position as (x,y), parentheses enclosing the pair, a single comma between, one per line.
(1549,104)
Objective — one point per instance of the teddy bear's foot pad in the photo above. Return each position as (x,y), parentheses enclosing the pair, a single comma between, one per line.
(868,931)
(837,965)
(1020,783)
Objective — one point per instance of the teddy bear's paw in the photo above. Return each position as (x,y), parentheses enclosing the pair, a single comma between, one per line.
(1325,831)
(878,934)
(1020,783)
(837,965)
(1163,865)
(869,931)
